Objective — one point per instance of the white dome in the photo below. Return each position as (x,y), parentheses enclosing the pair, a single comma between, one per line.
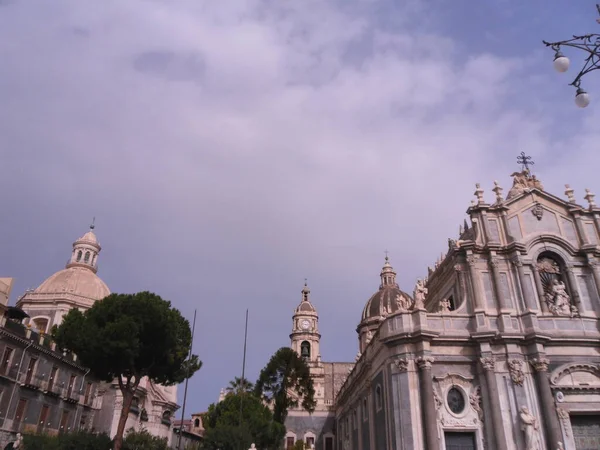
(78,281)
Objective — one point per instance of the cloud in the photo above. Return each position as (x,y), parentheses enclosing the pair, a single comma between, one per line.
(230,149)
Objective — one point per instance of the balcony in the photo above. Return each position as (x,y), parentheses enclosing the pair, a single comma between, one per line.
(31,381)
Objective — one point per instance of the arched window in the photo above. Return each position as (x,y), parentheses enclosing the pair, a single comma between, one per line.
(197,423)
(378,398)
(305,349)
(79,253)
(555,284)
(87,257)
(40,324)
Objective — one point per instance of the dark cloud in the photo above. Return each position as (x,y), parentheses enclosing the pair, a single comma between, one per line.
(228,150)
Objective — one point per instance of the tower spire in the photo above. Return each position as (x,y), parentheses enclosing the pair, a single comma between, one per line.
(92,225)
(305,291)
(388,274)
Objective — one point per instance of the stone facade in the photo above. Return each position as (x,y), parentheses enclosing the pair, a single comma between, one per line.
(497,347)
(41,389)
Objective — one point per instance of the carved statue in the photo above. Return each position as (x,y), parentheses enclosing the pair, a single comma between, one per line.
(516,372)
(530,427)
(252,446)
(16,444)
(475,402)
(522,181)
(368,337)
(403,303)
(445,305)
(420,294)
(559,302)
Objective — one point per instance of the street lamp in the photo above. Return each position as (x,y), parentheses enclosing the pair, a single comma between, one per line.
(590,44)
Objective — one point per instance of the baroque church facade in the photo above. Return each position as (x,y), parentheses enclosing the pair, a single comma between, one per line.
(79,286)
(498,347)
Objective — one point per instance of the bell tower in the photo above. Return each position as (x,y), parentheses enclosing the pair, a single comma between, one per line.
(305,337)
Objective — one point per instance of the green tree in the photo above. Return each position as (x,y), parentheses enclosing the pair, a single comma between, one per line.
(142,440)
(238,385)
(128,337)
(284,382)
(223,430)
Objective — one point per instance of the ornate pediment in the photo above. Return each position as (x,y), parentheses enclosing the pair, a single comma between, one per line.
(576,376)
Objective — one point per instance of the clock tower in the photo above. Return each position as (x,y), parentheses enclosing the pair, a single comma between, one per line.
(305,335)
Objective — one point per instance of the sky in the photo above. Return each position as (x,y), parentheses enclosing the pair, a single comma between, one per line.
(228,150)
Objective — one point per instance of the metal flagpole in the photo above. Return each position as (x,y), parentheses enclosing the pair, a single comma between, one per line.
(242,381)
(186,385)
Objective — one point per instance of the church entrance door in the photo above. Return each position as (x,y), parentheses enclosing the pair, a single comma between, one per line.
(586,432)
(460,441)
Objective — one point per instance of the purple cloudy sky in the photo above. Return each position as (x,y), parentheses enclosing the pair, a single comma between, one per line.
(229,149)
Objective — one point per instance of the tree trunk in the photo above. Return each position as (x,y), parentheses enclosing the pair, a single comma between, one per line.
(127,391)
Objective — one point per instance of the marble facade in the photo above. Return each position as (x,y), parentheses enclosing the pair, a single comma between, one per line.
(496,348)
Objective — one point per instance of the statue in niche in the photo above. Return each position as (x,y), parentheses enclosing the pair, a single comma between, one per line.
(403,303)
(252,446)
(420,294)
(555,291)
(445,305)
(559,302)
(530,427)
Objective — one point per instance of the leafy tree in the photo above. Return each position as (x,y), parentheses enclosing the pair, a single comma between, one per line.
(142,440)
(238,385)
(285,381)
(223,430)
(128,337)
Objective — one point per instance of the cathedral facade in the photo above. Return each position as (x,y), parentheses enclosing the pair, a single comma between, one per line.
(498,347)
(78,286)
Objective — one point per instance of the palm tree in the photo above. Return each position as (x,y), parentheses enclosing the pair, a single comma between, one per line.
(238,385)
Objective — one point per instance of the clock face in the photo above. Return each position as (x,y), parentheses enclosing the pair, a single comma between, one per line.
(305,324)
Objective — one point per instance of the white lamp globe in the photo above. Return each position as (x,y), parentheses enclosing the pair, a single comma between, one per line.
(561,62)
(582,99)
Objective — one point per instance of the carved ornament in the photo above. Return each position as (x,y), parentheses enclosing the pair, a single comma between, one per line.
(437,400)
(565,418)
(580,367)
(458,267)
(540,364)
(488,363)
(537,211)
(517,261)
(515,368)
(592,262)
(475,401)
(493,262)
(425,362)
(472,260)
(401,364)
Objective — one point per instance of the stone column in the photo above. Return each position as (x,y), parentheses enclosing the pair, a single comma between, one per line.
(526,292)
(428,402)
(503,303)
(580,230)
(489,365)
(472,261)
(593,264)
(574,287)
(540,288)
(551,424)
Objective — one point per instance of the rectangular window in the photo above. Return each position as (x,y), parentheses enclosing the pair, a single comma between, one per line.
(290,442)
(30,370)
(88,391)
(4,368)
(64,421)
(19,413)
(52,378)
(43,417)
(71,386)
(328,443)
